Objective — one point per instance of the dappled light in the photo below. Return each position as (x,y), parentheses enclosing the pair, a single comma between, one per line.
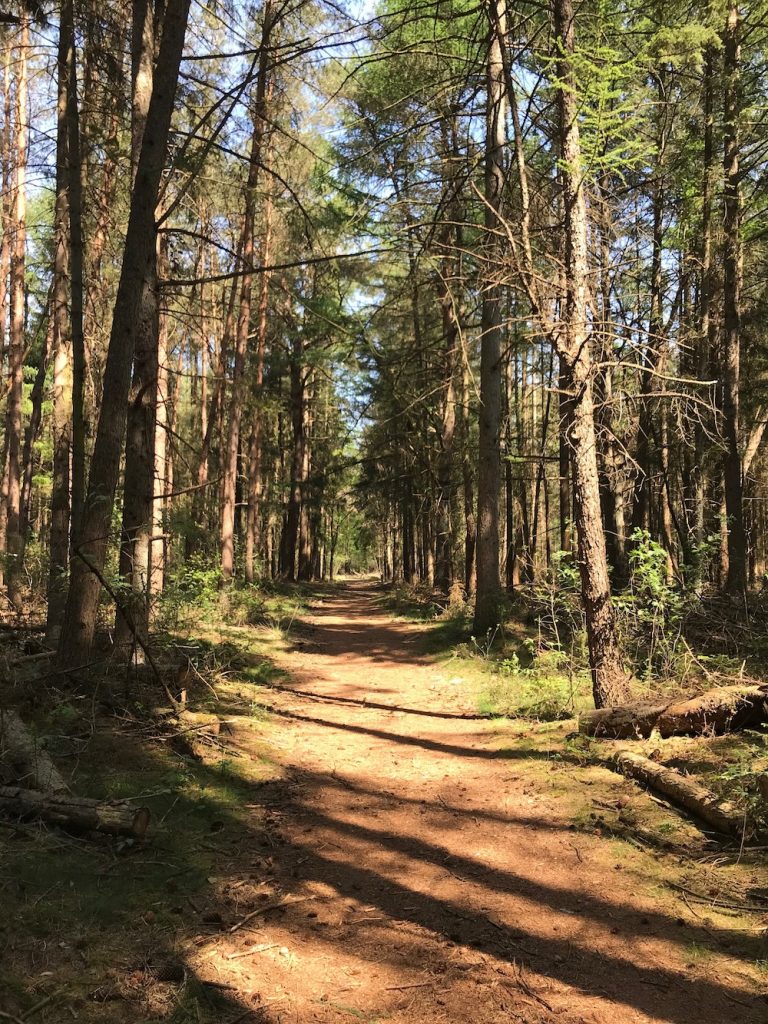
(383,512)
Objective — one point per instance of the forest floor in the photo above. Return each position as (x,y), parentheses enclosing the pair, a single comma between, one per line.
(373,848)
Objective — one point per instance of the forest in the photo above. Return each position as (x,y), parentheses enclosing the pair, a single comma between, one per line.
(383,511)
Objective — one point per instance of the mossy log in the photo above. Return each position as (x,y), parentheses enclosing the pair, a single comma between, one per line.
(715,712)
(702,803)
(627,721)
(74,812)
(724,709)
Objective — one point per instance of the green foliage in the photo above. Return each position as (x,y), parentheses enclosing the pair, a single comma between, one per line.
(411,601)
(651,612)
(191,590)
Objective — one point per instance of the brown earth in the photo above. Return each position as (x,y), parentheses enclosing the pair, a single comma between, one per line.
(437,883)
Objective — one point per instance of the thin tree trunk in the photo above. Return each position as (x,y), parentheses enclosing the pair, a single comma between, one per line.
(14,543)
(706,341)
(736,582)
(34,422)
(487,608)
(232,448)
(77,296)
(5,267)
(255,486)
(444,539)
(468,490)
(62,340)
(161,479)
(290,539)
(307,496)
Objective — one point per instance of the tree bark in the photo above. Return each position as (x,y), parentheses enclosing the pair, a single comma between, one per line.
(138,486)
(714,712)
(232,448)
(157,554)
(571,336)
(63,330)
(444,538)
(290,539)
(255,484)
(13,415)
(690,795)
(135,277)
(736,582)
(487,598)
(120,819)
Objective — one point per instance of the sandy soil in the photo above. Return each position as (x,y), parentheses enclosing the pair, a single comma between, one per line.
(423,878)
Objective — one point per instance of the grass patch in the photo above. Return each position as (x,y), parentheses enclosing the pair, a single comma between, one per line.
(80,917)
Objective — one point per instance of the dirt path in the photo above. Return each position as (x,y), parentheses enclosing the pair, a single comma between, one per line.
(439,884)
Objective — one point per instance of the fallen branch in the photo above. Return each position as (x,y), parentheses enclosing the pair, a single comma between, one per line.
(73,811)
(699,801)
(268,906)
(252,950)
(716,901)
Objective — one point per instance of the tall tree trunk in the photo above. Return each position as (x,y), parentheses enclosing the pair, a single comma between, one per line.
(290,539)
(161,484)
(487,608)
(214,417)
(255,485)
(573,344)
(308,497)
(136,533)
(36,398)
(77,296)
(135,279)
(62,339)
(468,490)
(444,538)
(14,544)
(232,448)
(736,582)
(565,503)
(610,498)
(706,340)
(6,180)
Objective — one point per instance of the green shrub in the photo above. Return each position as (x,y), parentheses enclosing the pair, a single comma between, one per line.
(652,610)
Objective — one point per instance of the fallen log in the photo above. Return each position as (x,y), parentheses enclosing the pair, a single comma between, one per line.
(701,802)
(26,753)
(714,712)
(623,722)
(69,811)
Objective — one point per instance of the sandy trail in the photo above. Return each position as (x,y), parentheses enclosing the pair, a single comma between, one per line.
(444,885)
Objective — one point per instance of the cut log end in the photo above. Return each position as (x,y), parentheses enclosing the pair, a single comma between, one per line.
(79,813)
(699,801)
